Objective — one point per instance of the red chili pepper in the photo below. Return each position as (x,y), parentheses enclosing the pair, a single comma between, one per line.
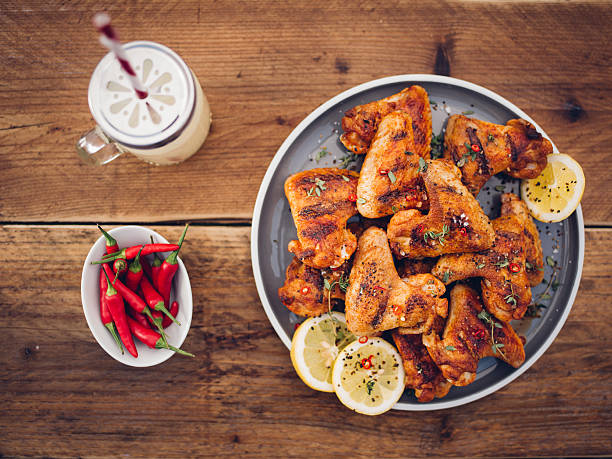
(146,267)
(378,287)
(151,338)
(383,171)
(352,197)
(174,311)
(131,252)
(463,231)
(105,314)
(128,295)
(134,274)
(514,267)
(120,266)
(168,270)
(158,319)
(305,290)
(475,148)
(142,320)
(419,228)
(114,301)
(111,243)
(397,310)
(296,326)
(366,364)
(480,334)
(363,339)
(154,300)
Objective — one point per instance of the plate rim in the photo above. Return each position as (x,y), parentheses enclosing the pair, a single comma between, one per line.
(282,151)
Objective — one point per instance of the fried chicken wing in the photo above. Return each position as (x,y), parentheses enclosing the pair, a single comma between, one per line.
(304,290)
(455,222)
(408,267)
(505,287)
(470,335)
(377,299)
(484,149)
(361,122)
(389,178)
(422,374)
(534,259)
(321,201)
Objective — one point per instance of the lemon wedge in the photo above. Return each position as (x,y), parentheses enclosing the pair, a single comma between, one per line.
(315,346)
(368,376)
(555,194)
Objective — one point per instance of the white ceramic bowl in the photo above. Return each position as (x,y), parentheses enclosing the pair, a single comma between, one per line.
(128,236)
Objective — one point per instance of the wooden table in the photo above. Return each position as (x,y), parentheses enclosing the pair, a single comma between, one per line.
(264,66)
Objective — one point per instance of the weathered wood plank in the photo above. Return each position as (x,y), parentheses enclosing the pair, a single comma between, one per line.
(264,66)
(63,396)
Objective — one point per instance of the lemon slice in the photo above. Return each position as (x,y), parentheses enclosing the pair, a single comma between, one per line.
(368,376)
(556,192)
(315,346)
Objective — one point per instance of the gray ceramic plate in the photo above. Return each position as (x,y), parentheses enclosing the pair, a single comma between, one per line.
(273,226)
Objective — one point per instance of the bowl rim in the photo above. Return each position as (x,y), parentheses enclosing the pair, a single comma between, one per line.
(282,151)
(163,356)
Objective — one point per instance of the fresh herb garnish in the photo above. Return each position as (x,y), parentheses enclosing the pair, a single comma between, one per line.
(550,261)
(437,146)
(500,188)
(361,201)
(345,178)
(391,176)
(347,159)
(447,275)
(480,266)
(394,209)
(486,318)
(528,265)
(408,153)
(510,299)
(321,153)
(370,386)
(318,188)
(468,112)
(450,348)
(503,263)
(490,138)
(422,165)
(439,236)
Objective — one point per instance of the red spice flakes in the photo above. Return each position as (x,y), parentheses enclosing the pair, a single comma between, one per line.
(480,334)
(352,197)
(305,290)
(475,148)
(363,339)
(514,267)
(383,171)
(463,231)
(419,228)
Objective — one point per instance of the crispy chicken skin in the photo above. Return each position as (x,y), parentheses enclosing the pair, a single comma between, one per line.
(361,122)
(467,339)
(451,208)
(422,374)
(392,152)
(304,290)
(320,205)
(377,299)
(534,265)
(506,294)
(408,267)
(516,148)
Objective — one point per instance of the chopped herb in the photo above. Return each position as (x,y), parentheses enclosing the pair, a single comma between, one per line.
(370,386)
(394,209)
(318,191)
(309,193)
(320,154)
(437,146)
(361,201)
(497,347)
(486,318)
(480,266)
(391,176)
(528,265)
(503,263)
(510,299)
(433,104)
(347,159)
(408,153)
(550,261)
(500,188)
(545,296)
(461,162)
(422,165)
(468,112)
(490,138)
(439,236)
(345,178)
(447,275)
(450,348)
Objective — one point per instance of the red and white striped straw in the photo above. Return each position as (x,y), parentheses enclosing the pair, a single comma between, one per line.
(108,37)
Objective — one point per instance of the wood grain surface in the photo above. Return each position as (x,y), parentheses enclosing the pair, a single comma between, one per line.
(264,66)
(62,395)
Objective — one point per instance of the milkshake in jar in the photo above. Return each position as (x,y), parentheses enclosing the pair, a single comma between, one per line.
(166,126)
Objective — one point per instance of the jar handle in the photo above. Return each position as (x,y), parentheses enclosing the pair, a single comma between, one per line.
(95,148)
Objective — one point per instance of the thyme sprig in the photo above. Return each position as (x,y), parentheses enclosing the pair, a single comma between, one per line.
(318,187)
(437,146)
(343,283)
(347,159)
(486,318)
(432,235)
